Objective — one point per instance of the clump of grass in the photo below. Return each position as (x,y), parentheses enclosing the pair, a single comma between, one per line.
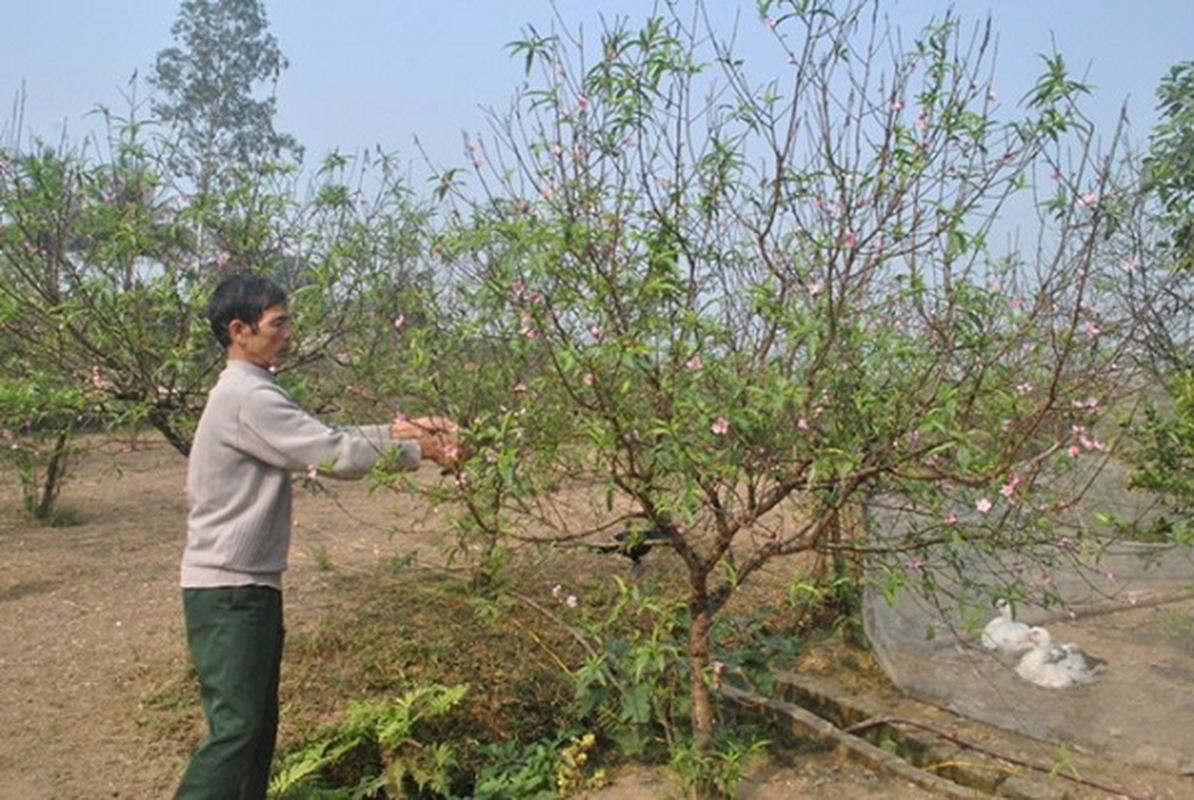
(57,517)
(1176,624)
(322,558)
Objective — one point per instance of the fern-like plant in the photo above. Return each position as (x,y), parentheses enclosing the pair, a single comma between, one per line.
(386,730)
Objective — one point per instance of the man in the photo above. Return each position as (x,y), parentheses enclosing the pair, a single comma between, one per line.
(251,438)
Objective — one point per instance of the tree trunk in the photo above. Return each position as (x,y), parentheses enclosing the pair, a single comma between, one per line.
(56,468)
(700,611)
(847,532)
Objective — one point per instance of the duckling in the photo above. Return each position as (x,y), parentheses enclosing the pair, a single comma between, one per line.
(1056,666)
(1004,633)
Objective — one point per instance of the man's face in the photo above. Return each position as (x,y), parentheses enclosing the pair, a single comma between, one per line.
(267,344)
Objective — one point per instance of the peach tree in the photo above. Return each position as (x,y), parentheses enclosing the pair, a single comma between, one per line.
(728,313)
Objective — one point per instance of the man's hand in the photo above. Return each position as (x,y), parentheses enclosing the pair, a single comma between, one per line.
(438,437)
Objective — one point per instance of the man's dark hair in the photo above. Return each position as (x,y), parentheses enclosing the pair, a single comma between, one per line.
(244,297)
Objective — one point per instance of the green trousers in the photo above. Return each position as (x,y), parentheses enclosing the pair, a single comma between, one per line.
(235,638)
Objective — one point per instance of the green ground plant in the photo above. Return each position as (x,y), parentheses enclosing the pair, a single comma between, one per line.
(382,733)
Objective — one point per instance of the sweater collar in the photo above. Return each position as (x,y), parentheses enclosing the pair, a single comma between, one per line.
(247,367)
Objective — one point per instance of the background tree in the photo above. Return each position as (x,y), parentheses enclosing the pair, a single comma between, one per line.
(1151,266)
(1151,256)
(1169,166)
(98,290)
(222,132)
(105,278)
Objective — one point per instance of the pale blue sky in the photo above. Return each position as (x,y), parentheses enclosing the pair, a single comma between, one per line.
(368,72)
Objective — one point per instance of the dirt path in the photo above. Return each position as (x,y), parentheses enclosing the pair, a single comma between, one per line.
(83,608)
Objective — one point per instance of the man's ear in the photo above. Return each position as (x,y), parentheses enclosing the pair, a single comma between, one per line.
(238,328)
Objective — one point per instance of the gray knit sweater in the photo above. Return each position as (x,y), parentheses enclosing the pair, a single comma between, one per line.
(250,439)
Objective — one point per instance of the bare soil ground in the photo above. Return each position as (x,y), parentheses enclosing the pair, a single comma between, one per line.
(90,629)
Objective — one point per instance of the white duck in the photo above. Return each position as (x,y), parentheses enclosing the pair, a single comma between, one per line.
(1056,666)
(1004,633)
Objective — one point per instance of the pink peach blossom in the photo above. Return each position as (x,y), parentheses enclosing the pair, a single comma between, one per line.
(99,381)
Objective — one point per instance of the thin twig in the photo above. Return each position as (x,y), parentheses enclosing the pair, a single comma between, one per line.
(588,647)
